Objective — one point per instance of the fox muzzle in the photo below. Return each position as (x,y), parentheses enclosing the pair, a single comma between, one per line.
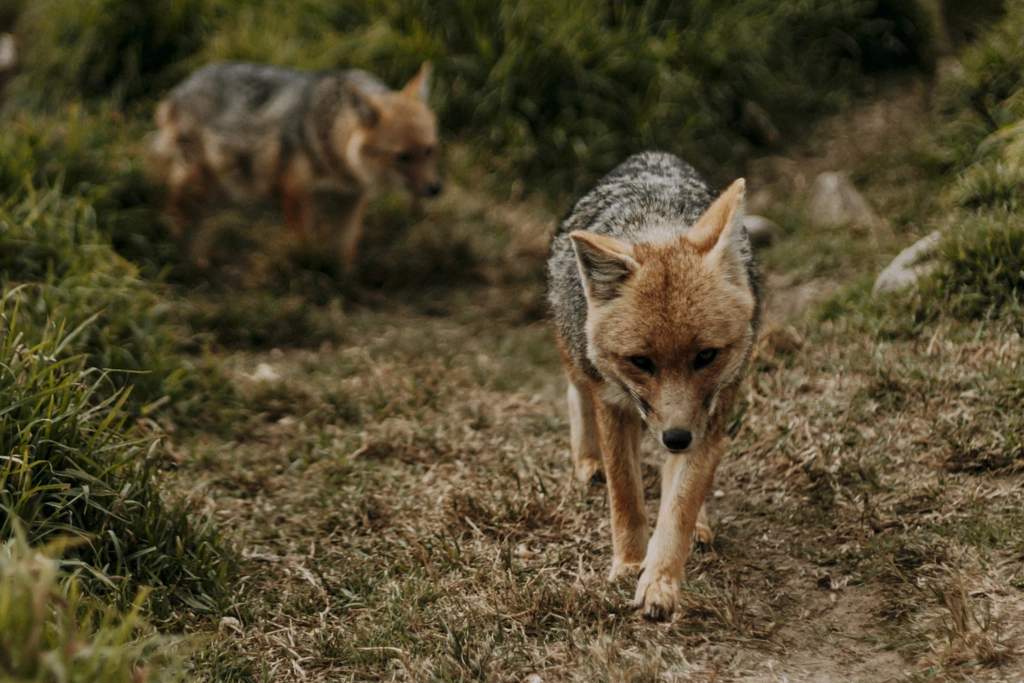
(677,440)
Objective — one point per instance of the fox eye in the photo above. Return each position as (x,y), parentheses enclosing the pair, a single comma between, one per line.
(405,157)
(704,358)
(643,364)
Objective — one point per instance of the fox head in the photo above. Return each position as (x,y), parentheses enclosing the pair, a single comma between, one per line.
(397,137)
(670,323)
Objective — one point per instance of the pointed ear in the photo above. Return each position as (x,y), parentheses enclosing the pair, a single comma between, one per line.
(605,264)
(418,88)
(719,234)
(366,106)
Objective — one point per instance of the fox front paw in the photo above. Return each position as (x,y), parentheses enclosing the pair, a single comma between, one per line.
(656,596)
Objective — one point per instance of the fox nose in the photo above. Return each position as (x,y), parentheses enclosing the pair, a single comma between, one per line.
(676,439)
(432,190)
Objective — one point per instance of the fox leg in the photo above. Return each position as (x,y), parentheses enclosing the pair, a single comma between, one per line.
(295,206)
(350,229)
(188,186)
(618,432)
(702,532)
(685,482)
(586,450)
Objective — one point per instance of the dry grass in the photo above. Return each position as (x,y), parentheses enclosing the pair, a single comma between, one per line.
(399,484)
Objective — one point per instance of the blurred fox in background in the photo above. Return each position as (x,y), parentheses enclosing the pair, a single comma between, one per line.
(253,131)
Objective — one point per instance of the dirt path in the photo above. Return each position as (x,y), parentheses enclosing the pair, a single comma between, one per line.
(404,505)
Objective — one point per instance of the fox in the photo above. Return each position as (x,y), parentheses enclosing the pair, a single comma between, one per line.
(654,293)
(254,131)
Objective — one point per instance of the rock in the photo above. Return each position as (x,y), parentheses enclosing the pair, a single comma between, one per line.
(8,58)
(266,373)
(834,202)
(8,52)
(908,266)
(759,201)
(763,231)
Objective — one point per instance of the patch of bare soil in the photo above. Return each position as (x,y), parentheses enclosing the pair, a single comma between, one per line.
(829,631)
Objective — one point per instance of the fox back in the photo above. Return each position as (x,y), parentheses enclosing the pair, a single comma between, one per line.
(246,122)
(653,288)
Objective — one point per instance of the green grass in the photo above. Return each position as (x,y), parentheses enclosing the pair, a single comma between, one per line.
(74,469)
(51,631)
(66,271)
(118,50)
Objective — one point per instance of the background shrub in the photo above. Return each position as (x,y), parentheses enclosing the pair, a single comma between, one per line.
(51,244)
(556,91)
(982,269)
(120,50)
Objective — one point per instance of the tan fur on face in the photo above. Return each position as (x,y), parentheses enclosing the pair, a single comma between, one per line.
(403,142)
(675,299)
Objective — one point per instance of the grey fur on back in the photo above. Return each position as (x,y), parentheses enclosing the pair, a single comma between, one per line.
(245,103)
(644,198)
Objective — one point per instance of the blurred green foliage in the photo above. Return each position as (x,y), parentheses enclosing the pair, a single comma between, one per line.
(982,268)
(66,272)
(118,50)
(50,631)
(557,91)
(980,142)
(95,154)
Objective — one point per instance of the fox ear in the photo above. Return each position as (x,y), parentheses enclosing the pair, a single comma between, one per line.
(605,264)
(719,234)
(418,88)
(366,106)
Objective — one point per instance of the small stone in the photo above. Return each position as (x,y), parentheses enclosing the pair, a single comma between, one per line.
(266,373)
(908,266)
(524,553)
(8,52)
(230,624)
(834,202)
(763,232)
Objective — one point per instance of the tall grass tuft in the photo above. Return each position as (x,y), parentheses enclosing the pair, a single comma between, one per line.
(69,469)
(982,268)
(49,631)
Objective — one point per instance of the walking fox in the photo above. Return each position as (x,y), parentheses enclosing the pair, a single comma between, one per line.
(255,131)
(653,289)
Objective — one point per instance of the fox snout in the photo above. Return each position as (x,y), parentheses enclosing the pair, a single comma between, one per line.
(677,440)
(430,190)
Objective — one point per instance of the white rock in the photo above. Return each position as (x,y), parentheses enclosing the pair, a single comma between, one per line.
(266,373)
(230,624)
(834,202)
(908,266)
(763,231)
(8,52)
